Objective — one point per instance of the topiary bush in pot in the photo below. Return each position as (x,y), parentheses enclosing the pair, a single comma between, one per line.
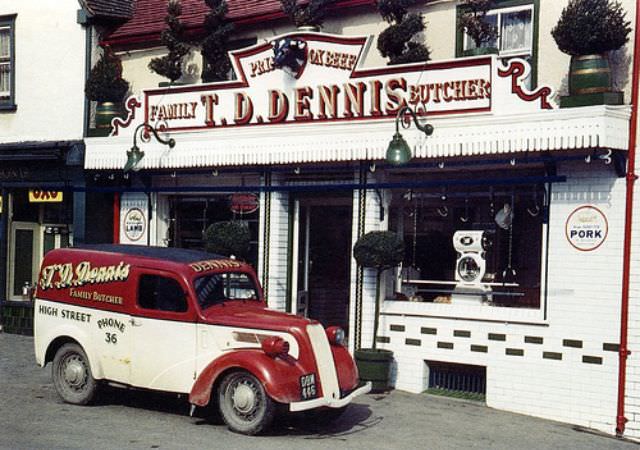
(174,39)
(473,22)
(308,16)
(228,238)
(217,29)
(587,30)
(398,41)
(379,250)
(106,86)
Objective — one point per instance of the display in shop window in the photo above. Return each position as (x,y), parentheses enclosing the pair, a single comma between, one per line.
(473,246)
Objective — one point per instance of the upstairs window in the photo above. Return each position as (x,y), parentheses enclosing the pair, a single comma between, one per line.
(7,63)
(515,21)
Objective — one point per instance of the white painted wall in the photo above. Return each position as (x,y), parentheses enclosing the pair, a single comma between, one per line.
(49,55)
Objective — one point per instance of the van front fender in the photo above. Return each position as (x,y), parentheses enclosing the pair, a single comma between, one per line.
(280,376)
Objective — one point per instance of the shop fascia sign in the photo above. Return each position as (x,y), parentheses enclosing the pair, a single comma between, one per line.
(326,82)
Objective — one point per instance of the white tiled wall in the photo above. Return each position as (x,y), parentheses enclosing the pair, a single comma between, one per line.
(583,305)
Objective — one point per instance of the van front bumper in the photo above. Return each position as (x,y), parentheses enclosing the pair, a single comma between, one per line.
(330,402)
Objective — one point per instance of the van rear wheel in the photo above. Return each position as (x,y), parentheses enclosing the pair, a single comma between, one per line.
(72,376)
(244,404)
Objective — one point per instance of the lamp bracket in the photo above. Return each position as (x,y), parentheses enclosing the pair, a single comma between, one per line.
(405,114)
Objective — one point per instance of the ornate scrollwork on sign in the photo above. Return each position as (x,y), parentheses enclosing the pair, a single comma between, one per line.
(131,106)
(518,69)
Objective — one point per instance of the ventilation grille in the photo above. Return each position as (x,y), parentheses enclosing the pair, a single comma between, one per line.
(457,380)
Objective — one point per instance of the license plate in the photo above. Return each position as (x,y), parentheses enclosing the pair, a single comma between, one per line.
(308,386)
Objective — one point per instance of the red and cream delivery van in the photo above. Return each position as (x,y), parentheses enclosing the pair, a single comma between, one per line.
(187,322)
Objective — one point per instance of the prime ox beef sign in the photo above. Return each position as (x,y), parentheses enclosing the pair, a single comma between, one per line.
(328,84)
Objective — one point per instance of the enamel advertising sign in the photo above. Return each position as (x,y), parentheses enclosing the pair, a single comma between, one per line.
(586,228)
(314,77)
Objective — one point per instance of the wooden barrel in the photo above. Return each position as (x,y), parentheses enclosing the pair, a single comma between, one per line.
(374,366)
(105,112)
(590,74)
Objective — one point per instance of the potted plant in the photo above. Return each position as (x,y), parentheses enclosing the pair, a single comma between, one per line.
(214,46)
(308,17)
(379,250)
(397,42)
(587,30)
(473,21)
(172,37)
(106,86)
(229,238)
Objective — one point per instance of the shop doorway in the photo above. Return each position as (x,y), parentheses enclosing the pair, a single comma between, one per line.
(34,229)
(323,255)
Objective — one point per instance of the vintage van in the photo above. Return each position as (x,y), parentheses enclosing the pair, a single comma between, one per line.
(188,322)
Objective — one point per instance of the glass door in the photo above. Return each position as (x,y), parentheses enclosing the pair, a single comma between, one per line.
(24,259)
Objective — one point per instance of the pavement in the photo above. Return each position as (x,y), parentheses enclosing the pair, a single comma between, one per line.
(33,417)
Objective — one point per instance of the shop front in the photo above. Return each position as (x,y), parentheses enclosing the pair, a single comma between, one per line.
(510,211)
(38,212)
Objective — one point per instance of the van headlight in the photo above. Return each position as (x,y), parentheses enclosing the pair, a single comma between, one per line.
(335,335)
(275,346)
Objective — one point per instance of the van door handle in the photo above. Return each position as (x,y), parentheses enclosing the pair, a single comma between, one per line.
(134,322)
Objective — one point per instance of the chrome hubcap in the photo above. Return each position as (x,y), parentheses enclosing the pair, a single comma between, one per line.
(74,373)
(244,399)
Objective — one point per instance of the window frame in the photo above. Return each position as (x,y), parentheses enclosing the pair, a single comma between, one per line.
(140,311)
(9,104)
(504,6)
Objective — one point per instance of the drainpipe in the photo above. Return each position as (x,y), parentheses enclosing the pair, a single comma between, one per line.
(626,265)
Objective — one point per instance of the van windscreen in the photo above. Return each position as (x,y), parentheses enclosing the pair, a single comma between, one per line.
(217,288)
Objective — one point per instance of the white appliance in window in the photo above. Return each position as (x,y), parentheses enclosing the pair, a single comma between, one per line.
(471,266)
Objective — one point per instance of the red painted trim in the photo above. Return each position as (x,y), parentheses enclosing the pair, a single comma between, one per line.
(621,420)
(515,71)
(131,105)
(116,218)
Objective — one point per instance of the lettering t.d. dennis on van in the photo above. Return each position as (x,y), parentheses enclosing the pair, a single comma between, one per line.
(187,322)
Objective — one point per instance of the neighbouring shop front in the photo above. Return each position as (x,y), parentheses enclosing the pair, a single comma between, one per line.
(38,212)
(507,211)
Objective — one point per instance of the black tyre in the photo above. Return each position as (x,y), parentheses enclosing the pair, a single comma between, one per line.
(72,376)
(244,405)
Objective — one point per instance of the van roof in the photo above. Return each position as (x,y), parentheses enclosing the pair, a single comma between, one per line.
(177,255)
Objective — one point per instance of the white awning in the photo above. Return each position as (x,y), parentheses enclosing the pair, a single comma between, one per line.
(550,130)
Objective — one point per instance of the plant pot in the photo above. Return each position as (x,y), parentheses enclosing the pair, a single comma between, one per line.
(374,365)
(589,74)
(479,51)
(105,112)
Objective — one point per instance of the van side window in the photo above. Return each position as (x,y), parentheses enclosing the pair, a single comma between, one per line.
(161,294)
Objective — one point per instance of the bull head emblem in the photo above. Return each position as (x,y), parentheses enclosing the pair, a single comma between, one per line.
(290,55)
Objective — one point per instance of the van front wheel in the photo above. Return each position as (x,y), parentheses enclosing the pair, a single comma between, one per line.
(244,404)
(72,375)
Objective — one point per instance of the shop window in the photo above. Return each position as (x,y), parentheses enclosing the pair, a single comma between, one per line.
(7,63)
(517,31)
(191,215)
(161,294)
(472,246)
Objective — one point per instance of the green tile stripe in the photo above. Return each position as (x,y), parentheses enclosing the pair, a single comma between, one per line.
(591,359)
(497,337)
(415,342)
(514,352)
(447,345)
(533,340)
(383,339)
(552,355)
(610,347)
(397,328)
(572,343)
(479,348)
(462,333)
(427,330)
